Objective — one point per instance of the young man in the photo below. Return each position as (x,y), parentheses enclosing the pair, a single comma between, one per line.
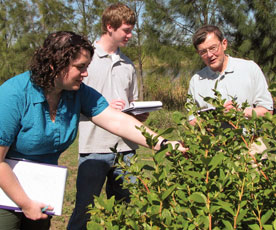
(113,75)
(237,78)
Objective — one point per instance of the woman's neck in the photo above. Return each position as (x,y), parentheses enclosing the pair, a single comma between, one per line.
(53,99)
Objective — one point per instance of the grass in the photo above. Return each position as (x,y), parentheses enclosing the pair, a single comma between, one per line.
(69,159)
(157,120)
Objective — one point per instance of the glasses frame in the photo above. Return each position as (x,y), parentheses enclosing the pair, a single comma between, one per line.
(212,49)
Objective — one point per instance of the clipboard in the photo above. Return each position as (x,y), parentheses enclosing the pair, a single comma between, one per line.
(41,182)
(210,109)
(139,107)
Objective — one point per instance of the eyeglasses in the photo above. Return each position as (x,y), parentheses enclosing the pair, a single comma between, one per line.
(213,49)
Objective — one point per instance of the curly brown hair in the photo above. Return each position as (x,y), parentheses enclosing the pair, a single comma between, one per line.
(55,55)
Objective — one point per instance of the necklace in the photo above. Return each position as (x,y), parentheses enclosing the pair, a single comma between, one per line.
(53,113)
(53,101)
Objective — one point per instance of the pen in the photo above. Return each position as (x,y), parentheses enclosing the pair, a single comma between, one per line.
(44,209)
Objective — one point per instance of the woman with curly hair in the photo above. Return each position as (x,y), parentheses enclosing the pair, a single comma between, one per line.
(39,115)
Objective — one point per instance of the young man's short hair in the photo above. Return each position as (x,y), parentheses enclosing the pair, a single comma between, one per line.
(117,14)
(201,34)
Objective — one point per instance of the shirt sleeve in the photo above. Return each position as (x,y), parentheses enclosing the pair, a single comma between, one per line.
(191,88)
(92,102)
(11,108)
(262,96)
(133,87)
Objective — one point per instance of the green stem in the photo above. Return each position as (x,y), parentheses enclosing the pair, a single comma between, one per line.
(239,206)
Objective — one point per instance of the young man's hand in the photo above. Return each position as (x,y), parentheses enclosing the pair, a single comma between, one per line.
(117,104)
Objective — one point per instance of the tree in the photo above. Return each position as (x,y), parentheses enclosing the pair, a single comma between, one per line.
(24,25)
(170,25)
(252,31)
(87,16)
(14,17)
(52,15)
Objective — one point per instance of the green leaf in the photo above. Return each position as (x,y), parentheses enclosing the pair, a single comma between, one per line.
(205,139)
(221,174)
(254,114)
(198,197)
(254,227)
(160,155)
(153,197)
(166,214)
(177,117)
(100,202)
(227,207)
(214,208)
(132,224)
(243,203)
(268,227)
(274,224)
(216,160)
(241,215)
(167,131)
(216,228)
(227,225)
(168,192)
(216,84)
(193,174)
(148,167)
(181,195)
(266,217)
(94,226)
(110,204)
(206,160)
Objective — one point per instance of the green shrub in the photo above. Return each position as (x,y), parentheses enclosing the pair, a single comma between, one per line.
(220,186)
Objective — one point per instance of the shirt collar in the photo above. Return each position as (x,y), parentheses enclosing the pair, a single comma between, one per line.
(38,94)
(101,53)
(229,68)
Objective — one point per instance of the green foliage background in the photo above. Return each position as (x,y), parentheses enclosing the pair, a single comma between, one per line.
(161,45)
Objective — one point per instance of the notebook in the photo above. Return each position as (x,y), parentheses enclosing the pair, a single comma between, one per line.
(41,182)
(138,107)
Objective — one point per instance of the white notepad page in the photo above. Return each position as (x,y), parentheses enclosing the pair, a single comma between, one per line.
(41,182)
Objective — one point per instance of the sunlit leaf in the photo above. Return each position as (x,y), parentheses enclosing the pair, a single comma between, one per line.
(266,217)
(198,198)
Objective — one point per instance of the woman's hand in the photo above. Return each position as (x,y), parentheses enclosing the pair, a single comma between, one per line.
(33,210)
(179,145)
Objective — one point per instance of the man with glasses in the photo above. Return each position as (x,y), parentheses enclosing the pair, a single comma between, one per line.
(237,78)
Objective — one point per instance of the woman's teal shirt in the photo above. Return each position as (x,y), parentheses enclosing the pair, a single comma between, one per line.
(25,123)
